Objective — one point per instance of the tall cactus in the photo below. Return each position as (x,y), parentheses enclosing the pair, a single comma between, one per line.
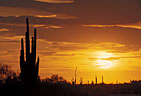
(102,80)
(29,67)
(95,79)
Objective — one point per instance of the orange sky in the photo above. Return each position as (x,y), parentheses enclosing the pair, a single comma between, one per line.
(100,37)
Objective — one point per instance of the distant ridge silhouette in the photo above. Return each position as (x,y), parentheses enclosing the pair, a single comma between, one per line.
(29,67)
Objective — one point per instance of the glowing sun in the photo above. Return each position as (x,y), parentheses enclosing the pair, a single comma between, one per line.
(105,60)
(104,64)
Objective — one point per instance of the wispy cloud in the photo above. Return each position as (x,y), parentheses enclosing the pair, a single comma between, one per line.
(56,1)
(56,16)
(130,26)
(46,26)
(4,29)
(101,26)
(110,45)
(31,25)
(54,27)
(32,12)
(47,16)
(135,26)
(9,41)
(114,58)
(21,11)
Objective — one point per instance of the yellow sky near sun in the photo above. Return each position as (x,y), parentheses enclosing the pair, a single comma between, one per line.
(120,69)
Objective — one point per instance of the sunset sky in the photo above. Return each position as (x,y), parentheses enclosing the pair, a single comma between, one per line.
(99,37)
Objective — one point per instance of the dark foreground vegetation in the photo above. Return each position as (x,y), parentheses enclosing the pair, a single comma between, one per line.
(10,84)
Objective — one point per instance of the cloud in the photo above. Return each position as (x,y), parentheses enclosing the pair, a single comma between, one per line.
(62,21)
(86,11)
(56,1)
(55,48)
(68,46)
(130,26)
(109,45)
(65,55)
(131,57)
(56,16)
(53,26)
(110,58)
(100,26)
(48,53)
(35,20)
(48,16)
(115,58)
(46,26)
(93,59)
(4,29)
(21,11)
(134,26)
(69,31)
(9,41)
(31,12)
(101,11)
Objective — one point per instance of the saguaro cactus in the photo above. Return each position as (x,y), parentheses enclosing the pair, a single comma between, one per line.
(29,67)
(95,79)
(102,80)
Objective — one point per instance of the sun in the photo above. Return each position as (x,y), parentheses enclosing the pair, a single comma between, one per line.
(104,60)
(104,64)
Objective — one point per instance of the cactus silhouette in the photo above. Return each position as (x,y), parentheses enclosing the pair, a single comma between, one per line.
(95,79)
(29,67)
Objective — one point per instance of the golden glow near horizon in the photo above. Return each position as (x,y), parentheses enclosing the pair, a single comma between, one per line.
(90,59)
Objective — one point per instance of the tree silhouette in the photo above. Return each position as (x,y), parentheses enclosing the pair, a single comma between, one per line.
(7,75)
